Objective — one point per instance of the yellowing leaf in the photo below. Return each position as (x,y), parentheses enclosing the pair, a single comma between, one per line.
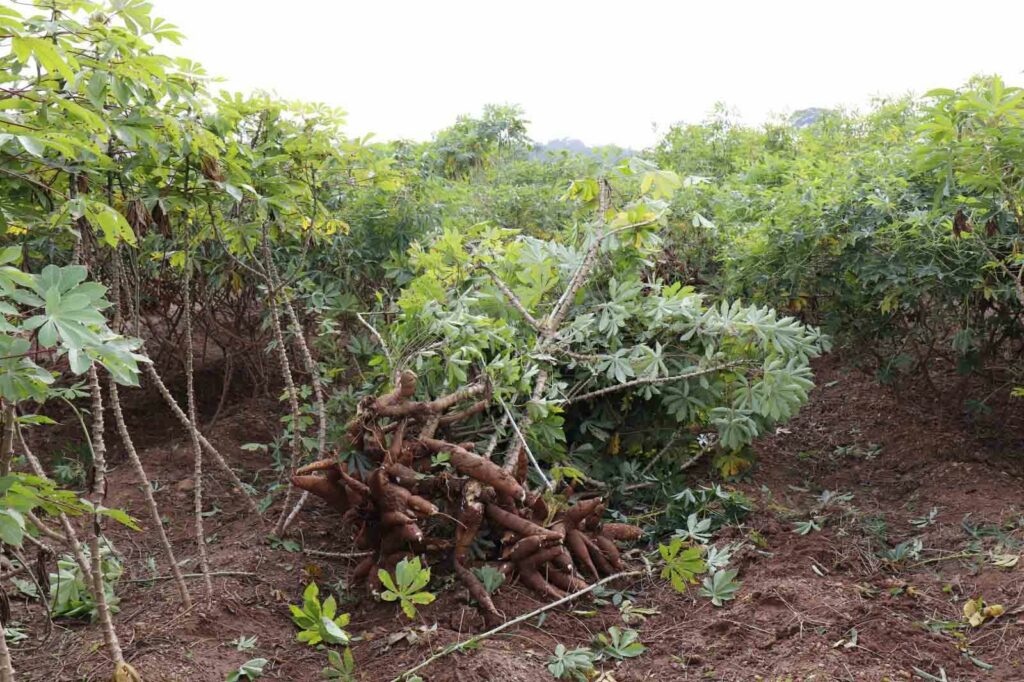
(994,611)
(1005,560)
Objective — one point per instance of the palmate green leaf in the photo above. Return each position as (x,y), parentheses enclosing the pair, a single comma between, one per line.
(24,493)
(70,321)
(411,575)
(410,578)
(12,527)
(44,51)
(721,586)
(682,564)
(340,666)
(250,670)
(317,622)
(20,377)
(571,664)
(490,577)
(620,644)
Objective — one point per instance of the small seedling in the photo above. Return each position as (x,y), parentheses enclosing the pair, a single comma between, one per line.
(829,498)
(407,585)
(620,644)
(340,667)
(250,670)
(604,596)
(927,520)
(571,664)
(491,578)
(681,565)
(14,634)
(317,621)
(906,550)
(286,545)
(243,643)
(717,559)
(697,530)
(631,614)
(721,587)
(812,525)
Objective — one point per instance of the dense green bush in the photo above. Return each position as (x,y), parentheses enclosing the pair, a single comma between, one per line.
(633,362)
(897,229)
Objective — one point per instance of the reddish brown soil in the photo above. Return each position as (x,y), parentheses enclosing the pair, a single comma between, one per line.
(802,596)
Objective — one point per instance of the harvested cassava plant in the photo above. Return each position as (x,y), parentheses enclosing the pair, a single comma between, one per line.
(401,508)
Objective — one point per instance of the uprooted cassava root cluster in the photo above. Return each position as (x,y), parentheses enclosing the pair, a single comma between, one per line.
(399,508)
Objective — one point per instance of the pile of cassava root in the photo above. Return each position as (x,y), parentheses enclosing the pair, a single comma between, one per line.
(399,508)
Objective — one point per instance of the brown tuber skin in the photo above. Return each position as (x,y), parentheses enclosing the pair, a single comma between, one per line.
(542,542)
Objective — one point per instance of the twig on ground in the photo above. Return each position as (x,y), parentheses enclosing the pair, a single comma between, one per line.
(459,646)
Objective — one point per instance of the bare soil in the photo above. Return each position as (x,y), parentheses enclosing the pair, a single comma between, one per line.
(821,606)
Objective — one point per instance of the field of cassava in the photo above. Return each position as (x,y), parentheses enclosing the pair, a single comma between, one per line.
(280,403)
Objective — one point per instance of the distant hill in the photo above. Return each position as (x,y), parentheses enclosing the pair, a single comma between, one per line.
(806,117)
(574,146)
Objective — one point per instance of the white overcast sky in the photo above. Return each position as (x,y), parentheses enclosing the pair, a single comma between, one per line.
(601,72)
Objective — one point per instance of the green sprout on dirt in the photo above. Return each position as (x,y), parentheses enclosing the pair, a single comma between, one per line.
(682,565)
(721,587)
(407,585)
(620,644)
(490,577)
(340,667)
(317,621)
(571,664)
(243,643)
(250,670)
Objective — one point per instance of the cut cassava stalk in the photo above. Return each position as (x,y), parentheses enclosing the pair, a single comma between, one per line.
(318,399)
(472,641)
(7,441)
(97,495)
(147,491)
(6,453)
(197,449)
(6,667)
(289,383)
